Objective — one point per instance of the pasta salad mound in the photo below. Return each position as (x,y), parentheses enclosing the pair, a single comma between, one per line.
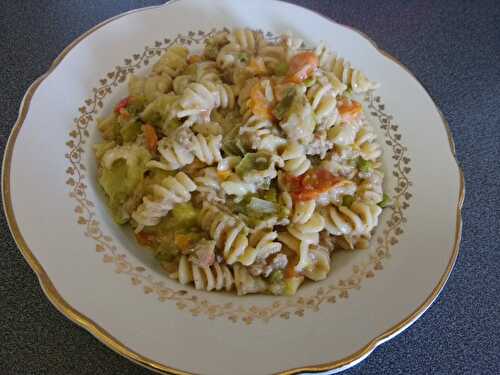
(245,166)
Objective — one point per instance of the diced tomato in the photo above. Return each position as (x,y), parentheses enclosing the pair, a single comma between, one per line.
(259,104)
(193,59)
(123,104)
(311,184)
(151,137)
(145,239)
(349,110)
(302,65)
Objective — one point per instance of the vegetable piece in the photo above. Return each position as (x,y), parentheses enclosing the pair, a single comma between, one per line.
(211,49)
(171,125)
(186,241)
(224,175)
(136,104)
(155,176)
(302,66)
(109,128)
(122,104)
(130,130)
(292,284)
(284,105)
(311,184)
(349,110)
(151,137)
(118,185)
(243,57)
(193,59)
(185,215)
(252,161)
(262,206)
(347,200)
(386,200)
(167,254)
(158,111)
(270,195)
(364,165)
(258,102)
(101,148)
(232,143)
(120,180)
(281,69)
(348,93)
(309,82)
(276,276)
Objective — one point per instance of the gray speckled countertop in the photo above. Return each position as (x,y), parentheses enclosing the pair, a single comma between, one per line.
(453,47)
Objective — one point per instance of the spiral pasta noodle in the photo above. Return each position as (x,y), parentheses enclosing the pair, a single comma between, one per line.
(245,38)
(165,196)
(261,135)
(172,62)
(205,71)
(354,78)
(359,219)
(300,237)
(296,161)
(214,277)
(230,234)
(292,45)
(319,264)
(370,187)
(209,185)
(234,185)
(324,103)
(200,98)
(302,211)
(272,54)
(149,87)
(344,134)
(178,153)
(175,153)
(365,143)
(261,245)
(207,148)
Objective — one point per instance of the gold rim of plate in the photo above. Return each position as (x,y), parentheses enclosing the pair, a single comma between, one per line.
(105,337)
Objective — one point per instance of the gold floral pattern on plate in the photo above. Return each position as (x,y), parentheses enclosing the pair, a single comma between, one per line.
(183,297)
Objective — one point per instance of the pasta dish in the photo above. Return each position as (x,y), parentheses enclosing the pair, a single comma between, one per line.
(245,166)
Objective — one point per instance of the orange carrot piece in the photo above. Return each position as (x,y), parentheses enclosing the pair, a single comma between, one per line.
(259,104)
(151,137)
(349,110)
(311,184)
(301,66)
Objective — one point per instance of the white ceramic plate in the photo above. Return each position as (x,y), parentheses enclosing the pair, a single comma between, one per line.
(95,274)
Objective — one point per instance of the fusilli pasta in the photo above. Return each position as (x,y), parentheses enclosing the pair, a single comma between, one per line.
(245,167)
(359,219)
(164,197)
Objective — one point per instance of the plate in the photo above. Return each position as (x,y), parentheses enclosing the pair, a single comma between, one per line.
(94,273)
